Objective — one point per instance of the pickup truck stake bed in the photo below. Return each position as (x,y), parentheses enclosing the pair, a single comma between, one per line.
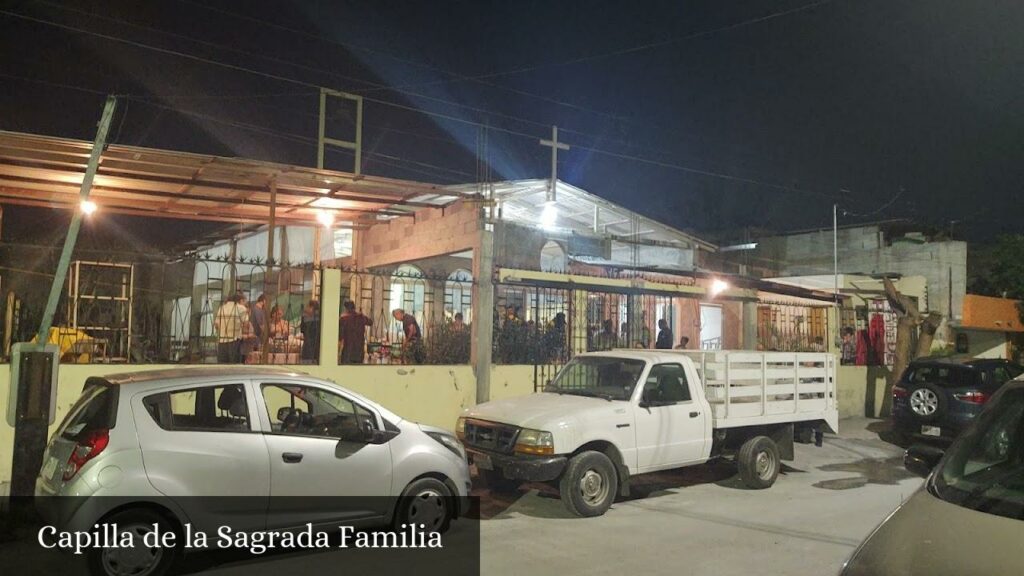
(608,416)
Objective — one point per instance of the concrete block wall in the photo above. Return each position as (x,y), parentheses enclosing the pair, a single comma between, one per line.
(863,250)
(431,232)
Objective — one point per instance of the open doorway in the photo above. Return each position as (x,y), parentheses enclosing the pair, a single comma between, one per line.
(710,327)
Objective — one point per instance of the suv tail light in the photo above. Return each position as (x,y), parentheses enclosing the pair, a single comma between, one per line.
(899,392)
(88,446)
(972,397)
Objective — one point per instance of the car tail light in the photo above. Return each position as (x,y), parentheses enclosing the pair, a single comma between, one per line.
(899,392)
(972,397)
(87,447)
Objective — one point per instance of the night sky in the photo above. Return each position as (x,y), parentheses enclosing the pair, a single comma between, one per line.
(710,116)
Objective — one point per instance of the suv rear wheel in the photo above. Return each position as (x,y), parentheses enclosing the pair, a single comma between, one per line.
(589,484)
(927,402)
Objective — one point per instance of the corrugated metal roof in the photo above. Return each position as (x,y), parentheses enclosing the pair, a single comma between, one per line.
(523,202)
(47,171)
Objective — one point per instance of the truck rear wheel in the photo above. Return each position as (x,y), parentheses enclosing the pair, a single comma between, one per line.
(759,462)
(589,484)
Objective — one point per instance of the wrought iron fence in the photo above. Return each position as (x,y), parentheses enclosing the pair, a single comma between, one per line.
(166,312)
(792,328)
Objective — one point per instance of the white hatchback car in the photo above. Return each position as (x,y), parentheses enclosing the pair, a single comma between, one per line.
(280,440)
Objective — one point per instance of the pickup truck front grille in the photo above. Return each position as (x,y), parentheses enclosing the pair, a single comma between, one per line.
(490,436)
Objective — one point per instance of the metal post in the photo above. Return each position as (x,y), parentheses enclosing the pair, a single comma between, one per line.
(42,336)
(323,129)
(835,250)
(264,348)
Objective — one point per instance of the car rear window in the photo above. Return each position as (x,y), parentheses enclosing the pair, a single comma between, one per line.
(950,376)
(95,410)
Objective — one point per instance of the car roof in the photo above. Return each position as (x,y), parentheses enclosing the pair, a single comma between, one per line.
(964,362)
(164,374)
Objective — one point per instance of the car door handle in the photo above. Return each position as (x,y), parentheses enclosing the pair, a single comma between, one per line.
(291,457)
(694,414)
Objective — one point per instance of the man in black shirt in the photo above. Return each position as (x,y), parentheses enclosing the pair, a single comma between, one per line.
(664,341)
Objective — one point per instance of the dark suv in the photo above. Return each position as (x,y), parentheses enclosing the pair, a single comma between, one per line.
(939,397)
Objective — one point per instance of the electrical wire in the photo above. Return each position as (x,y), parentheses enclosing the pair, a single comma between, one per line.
(287,79)
(646,46)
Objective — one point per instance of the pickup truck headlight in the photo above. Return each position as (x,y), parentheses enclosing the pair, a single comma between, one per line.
(535,442)
(460,428)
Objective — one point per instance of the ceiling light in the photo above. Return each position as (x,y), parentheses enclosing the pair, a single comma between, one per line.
(87,207)
(549,215)
(325,218)
(717,287)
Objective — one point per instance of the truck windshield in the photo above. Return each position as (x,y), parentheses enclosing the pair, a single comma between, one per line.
(985,470)
(598,376)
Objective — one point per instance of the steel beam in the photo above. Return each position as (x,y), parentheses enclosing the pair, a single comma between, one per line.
(42,336)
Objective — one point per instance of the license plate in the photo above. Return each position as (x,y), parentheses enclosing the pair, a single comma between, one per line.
(483,461)
(49,468)
(931,431)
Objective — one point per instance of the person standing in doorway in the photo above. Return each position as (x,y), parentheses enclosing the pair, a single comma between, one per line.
(352,334)
(664,341)
(684,343)
(229,324)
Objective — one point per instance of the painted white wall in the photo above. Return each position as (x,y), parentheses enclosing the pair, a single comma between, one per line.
(986,344)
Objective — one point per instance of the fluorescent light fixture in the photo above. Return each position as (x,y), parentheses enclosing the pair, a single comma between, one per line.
(335,203)
(549,215)
(325,218)
(738,247)
(88,207)
(717,287)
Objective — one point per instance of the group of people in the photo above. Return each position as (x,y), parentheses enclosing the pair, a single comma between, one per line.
(352,327)
(241,328)
(607,338)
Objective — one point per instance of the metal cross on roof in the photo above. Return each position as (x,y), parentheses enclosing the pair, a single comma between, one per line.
(555,147)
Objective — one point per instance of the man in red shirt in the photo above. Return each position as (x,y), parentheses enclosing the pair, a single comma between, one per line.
(352,334)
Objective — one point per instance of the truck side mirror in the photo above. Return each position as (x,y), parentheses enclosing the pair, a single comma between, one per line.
(921,460)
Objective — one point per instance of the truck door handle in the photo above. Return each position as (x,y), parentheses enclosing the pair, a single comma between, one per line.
(694,414)
(291,457)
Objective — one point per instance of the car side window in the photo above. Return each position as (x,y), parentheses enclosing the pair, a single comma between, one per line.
(220,408)
(309,411)
(666,384)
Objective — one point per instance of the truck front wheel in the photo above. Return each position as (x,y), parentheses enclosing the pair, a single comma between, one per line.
(589,484)
(759,462)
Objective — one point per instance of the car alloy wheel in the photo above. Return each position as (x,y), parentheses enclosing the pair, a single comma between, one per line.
(924,402)
(428,509)
(136,560)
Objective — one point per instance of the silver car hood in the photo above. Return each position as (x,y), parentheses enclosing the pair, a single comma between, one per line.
(929,536)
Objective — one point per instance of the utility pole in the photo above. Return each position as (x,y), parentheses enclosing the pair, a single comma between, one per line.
(835,250)
(76,221)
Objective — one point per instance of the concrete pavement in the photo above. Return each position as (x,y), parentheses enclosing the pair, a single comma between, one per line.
(702,521)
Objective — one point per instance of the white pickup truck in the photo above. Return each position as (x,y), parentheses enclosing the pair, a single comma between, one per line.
(608,416)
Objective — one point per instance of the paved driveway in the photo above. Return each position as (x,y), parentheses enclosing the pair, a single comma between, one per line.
(702,521)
